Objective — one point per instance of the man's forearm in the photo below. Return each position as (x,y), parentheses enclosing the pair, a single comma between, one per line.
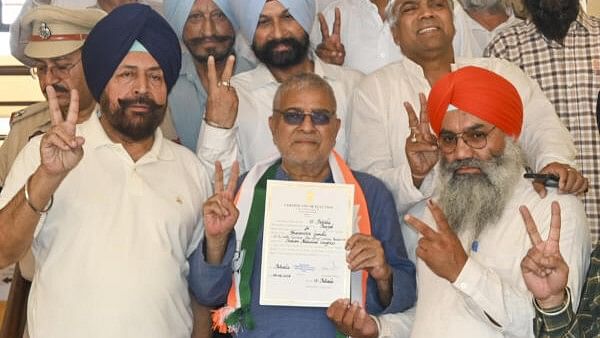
(18,218)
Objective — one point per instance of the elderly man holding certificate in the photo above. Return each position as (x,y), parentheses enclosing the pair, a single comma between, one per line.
(313,244)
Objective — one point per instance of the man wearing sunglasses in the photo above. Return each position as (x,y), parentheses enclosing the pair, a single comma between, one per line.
(278,31)
(304,126)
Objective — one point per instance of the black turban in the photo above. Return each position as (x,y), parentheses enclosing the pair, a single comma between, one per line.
(112,37)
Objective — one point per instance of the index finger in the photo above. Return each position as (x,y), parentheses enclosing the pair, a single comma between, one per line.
(554,235)
(413,121)
(532,230)
(438,216)
(420,226)
(218,177)
(73,112)
(233,178)
(324,27)
(424,116)
(55,113)
(337,22)
(228,71)
(212,73)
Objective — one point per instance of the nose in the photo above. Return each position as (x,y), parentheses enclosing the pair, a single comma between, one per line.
(463,150)
(141,85)
(307,125)
(425,11)
(208,28)
(278,30)
(50,78)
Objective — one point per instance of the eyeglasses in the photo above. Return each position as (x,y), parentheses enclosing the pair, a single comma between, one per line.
(60,70)
(475,139)
(295,117)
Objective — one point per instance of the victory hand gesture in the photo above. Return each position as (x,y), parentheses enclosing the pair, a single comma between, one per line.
(544,270)
(421,145)
(222,101)
(220,214)
(60,149)
(331,49)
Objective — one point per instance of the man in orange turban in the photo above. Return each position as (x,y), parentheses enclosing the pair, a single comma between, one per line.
(469,239)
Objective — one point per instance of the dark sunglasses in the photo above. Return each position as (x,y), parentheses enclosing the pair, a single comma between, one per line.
(296,117)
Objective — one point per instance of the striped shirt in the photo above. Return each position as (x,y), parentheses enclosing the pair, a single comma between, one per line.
(569,74)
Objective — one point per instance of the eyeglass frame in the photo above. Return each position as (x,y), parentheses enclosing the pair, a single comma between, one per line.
(461,136)
(34,71)
(328,114)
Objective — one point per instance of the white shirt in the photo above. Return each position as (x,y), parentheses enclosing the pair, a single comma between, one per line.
(380,124)
(112,251)
(250,139)
(367,39)
(491,281)
(469,29)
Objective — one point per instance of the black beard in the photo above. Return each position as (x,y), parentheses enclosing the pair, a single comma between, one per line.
(119,121)
(203,58)
(553,17)
(267,54)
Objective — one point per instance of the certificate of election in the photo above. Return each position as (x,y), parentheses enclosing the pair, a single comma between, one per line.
(305,231)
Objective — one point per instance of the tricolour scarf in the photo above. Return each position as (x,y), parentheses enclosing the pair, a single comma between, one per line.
(250,201)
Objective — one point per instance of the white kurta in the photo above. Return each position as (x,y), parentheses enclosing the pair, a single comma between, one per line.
(112,251)
(380,124)
(368,40)
(491,281)
(469,29)
(250,140)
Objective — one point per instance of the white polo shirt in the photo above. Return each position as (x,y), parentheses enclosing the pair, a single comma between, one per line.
(112,251)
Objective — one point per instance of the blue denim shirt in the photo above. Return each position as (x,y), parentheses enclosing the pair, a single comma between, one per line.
(188,99)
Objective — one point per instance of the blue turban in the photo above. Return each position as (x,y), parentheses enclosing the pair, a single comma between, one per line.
(112,37)
(177,12)
(247,13)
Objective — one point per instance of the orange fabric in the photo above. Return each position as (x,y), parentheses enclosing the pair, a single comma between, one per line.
(479,92)
(364,224)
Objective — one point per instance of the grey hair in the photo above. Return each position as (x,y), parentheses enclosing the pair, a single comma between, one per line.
(392,18)
(301,82)
(484,5)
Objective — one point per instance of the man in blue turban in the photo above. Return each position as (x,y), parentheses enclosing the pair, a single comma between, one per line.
(205,27)
(278,31)
(110,208)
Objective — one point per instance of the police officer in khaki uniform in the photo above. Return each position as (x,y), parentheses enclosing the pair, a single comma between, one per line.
(54,50)
(54,54)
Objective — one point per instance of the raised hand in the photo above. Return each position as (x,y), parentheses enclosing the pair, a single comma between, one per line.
(60,148)
(352,319)
(331,49)
(421,145)
(220,214)
(441,250)
(544,270)
(222,101)
(570,180)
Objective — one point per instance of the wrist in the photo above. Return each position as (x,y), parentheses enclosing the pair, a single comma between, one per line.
(553,303)
(218,124)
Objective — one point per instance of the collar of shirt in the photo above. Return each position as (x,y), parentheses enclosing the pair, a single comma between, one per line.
(262,75)
(95,138)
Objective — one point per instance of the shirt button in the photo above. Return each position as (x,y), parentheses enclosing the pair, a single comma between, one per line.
(382,55)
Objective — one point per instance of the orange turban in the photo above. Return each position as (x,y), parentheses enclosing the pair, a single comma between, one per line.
(479,92)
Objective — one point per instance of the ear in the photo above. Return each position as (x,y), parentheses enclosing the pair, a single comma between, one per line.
(273,127)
